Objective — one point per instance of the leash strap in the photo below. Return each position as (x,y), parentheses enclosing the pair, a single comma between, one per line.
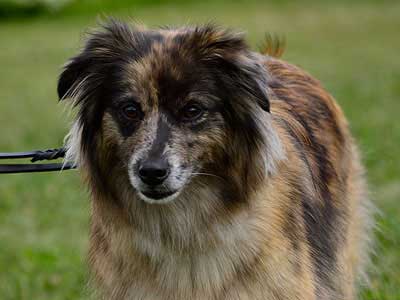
(27,168)
(35,156)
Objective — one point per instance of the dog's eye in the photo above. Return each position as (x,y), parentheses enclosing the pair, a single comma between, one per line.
(192,112)
(131,111)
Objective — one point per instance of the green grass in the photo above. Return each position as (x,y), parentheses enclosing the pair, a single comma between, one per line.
(352,47)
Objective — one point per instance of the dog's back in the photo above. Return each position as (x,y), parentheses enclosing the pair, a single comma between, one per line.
(324,173)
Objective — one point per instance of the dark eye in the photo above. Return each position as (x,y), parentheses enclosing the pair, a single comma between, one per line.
(131,111)
(192,112)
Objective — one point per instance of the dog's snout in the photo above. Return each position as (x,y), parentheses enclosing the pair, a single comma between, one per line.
(154,172)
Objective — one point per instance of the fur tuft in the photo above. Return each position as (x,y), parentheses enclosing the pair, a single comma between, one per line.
(273,45)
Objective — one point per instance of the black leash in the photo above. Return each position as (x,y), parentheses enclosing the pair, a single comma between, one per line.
(35,156)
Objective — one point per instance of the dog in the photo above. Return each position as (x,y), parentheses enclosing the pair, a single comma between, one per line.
(215,172)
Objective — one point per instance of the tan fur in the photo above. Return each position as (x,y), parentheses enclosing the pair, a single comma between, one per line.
(273,244)
(273,46)
(235,260)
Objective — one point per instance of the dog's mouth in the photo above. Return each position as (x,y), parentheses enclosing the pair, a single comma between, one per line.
(159,197)
(161,192)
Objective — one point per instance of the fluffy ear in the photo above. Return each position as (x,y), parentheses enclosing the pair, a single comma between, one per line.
(73,73)
(232,57)
(252,77)
(102,50)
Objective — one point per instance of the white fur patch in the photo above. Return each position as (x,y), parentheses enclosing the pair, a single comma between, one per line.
(274,151)
(72,143)
(159,201)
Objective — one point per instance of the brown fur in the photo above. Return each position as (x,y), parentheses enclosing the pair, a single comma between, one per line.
(281,211)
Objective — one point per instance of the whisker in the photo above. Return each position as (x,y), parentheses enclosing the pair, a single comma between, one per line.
(208,174)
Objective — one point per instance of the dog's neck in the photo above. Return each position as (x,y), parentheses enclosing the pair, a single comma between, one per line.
(199,219)
(195,238)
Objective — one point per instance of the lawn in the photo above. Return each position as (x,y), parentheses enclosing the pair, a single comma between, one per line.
(352,47)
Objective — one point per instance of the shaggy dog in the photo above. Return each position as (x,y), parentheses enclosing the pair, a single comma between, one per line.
(215,172)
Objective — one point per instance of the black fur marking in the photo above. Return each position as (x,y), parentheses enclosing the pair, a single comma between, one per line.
(291,229)
(160,141)
(321,221)
(248,82)
(323,234)
(321,216)
(245,148)
(126,125)
(322,112)
(171,91)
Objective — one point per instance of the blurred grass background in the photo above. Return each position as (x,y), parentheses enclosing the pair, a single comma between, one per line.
(351,46)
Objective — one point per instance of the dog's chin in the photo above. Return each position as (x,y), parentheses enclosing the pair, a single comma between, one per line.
(155,197)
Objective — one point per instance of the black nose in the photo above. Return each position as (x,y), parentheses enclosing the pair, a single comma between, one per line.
(154,172)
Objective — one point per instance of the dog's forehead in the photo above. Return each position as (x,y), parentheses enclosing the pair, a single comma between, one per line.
(167,72)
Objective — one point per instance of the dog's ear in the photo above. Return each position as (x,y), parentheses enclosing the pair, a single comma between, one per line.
(74,71)
(252,78)
(115,41)
(233,61)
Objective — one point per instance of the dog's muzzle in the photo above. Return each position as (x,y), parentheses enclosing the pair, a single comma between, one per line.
(153,174)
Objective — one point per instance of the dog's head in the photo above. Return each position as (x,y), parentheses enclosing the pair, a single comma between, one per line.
(164,107)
